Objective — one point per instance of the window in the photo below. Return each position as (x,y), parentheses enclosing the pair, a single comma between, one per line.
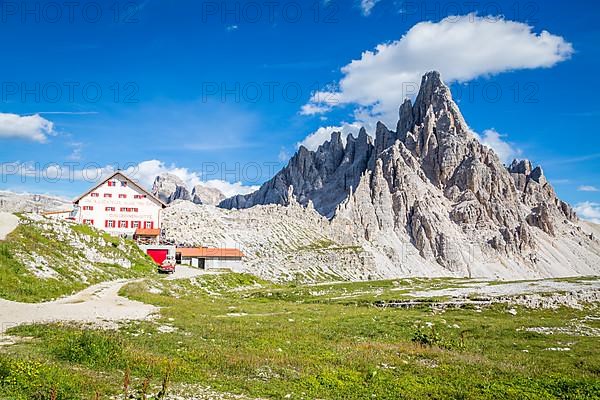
(139,196)
(135,209)
(95,195)
(109,223)
(123,224)
(88,222)
(123,209)
(122,196)
(123,184)
(149,225)
(135,224)
(88,208)
(112,183)
(109,209)
(107,195)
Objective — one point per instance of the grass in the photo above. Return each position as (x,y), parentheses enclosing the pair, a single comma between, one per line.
(239,334)
(325,244)
(70,269)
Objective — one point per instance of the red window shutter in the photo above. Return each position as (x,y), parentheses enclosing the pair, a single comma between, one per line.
(106,223)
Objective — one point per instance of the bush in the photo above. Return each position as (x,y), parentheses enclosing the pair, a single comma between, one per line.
(426,338)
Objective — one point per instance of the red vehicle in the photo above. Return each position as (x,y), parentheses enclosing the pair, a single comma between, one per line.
(167,266)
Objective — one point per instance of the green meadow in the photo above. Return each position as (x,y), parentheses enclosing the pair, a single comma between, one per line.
(240,335)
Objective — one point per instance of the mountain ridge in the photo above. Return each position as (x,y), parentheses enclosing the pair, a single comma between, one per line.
(170,188)
(431,185)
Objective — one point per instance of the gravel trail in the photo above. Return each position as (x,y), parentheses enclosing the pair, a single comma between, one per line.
(8,223)
(99,304)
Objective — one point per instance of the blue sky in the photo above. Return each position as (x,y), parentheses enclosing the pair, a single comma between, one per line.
(220,91)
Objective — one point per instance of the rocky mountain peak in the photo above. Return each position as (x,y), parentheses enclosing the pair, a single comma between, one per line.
(324,176)
(430,185)
(169,188)
(520,167)
(205,195)
(384,138)
(434,93)
(405,120)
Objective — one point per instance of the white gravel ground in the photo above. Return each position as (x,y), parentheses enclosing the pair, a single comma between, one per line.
(497,289)
(99,304)
(8,223)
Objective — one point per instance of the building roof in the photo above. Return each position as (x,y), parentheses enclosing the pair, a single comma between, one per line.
(150,195)
(147,232)
(205,252)
(57,212)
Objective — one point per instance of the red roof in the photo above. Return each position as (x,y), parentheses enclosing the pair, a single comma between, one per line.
(147,232)
(57,212)
(205,252)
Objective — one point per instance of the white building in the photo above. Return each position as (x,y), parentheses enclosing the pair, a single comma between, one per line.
(211,258)
(119,206)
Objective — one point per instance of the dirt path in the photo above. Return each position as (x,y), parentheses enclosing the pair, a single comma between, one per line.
(8,223)
(99,304)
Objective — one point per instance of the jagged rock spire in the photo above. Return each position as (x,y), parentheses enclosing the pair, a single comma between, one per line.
(430,184)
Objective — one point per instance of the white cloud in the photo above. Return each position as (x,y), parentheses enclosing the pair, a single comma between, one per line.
(589,211)
(366,6)
(588,188)
(321,135)
(146,171)
(505,150)
(462,48)
(143,173)
(229,189)
(312,109)
(31,127)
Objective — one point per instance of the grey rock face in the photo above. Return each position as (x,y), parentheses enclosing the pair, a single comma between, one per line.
(23,202)
(205,195)
(168,188)
(324,176)
(431,185)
